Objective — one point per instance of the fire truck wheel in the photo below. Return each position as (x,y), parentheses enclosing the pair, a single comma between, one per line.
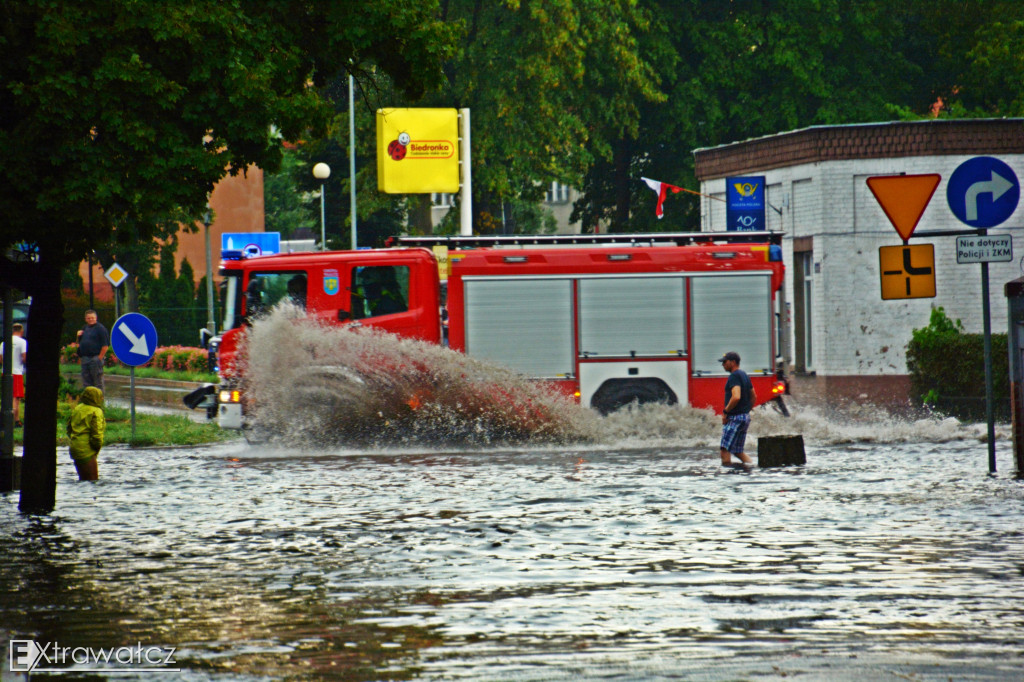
(617,393)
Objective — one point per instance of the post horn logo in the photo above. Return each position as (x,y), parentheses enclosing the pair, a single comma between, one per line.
(745,189)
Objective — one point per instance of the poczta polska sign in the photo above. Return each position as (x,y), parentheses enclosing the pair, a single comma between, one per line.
(744,207)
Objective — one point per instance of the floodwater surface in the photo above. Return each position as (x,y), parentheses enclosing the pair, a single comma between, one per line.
(482,530)
(891,555)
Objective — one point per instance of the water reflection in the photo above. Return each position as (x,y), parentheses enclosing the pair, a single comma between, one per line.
(630,558)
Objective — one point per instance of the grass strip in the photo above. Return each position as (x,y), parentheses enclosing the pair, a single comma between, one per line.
(150,429)
(150,373)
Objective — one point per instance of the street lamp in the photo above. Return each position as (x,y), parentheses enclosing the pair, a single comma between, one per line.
(321,172)
(211,324)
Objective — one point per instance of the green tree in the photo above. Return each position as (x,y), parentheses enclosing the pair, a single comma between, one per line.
(136,248)
(116,112)
(967,55)
(287,206)
(598,94)
(169,299)
(543,80)
(734,70)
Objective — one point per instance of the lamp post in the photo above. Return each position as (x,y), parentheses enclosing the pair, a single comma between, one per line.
(211,323)
(321,172)
(352,158)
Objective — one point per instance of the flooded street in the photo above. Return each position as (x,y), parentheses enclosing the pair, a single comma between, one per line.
(892,555)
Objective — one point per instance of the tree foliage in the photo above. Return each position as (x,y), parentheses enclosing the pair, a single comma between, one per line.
(541,79)
(115,113)
(288,208)
(736,69)
(172,301)
(598,94)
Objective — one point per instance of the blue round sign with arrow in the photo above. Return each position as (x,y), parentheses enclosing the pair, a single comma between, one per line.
(983,192)
(133,339)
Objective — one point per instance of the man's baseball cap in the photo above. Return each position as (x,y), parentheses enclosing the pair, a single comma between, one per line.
(731,355)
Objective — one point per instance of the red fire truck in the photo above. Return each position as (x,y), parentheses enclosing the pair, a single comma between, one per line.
(609,319)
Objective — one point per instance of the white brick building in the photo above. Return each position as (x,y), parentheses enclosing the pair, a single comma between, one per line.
(841,339)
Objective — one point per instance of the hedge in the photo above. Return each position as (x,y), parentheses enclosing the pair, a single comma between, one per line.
(946,364)
(167,358)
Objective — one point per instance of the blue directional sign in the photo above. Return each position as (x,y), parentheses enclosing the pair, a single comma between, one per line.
(744,207)
(133,339)
(251,243)
(983,192)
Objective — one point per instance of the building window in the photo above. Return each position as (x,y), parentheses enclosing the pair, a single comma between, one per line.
(442,200)
(803,291)
(557,194)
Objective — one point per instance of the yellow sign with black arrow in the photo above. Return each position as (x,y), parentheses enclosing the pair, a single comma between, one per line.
(908,271)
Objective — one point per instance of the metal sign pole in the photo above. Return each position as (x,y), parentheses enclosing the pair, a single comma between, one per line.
(134,341)
(466,191)
(132,400)
(989,393)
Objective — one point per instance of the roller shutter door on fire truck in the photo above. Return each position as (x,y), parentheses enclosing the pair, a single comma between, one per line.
(732,312)
(522,323)
(624,316)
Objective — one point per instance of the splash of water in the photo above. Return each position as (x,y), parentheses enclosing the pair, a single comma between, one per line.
(323,385)
(686,427)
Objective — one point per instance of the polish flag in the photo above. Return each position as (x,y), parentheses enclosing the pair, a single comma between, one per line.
(662,188)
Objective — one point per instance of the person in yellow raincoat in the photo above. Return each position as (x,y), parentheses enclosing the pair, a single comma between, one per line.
(86,429)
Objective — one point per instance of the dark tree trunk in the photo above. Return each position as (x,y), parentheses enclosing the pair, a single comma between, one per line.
(420,215)
(623,159)
(42,379)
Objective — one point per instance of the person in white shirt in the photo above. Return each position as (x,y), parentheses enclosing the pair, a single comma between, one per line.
(20,346)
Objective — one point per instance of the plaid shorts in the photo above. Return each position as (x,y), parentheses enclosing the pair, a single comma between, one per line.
(734,433)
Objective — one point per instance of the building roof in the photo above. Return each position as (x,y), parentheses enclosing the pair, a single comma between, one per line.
(932,137)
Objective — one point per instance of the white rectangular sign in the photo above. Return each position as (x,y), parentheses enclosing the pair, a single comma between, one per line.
(997,248)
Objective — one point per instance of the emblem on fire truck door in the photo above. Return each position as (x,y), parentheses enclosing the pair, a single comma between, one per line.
(331,282)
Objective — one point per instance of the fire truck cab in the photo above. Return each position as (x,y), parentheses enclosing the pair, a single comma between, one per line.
(395,290)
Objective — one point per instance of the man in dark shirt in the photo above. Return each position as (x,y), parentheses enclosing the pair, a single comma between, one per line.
(739,400)
(93,341)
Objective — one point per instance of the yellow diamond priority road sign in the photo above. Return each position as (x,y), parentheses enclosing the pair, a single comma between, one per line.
(907,271)
(116,275)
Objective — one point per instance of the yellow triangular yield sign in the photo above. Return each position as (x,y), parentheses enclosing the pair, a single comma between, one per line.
(904,198)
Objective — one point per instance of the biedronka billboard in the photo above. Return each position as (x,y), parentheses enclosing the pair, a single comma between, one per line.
(417,150)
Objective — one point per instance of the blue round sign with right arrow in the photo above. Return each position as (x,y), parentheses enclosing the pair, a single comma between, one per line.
(983,192)
(133,339)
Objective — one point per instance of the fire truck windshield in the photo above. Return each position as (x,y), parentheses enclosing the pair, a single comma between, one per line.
(230,301)
(266,289)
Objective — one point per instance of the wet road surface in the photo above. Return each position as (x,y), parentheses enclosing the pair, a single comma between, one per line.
(892,555)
